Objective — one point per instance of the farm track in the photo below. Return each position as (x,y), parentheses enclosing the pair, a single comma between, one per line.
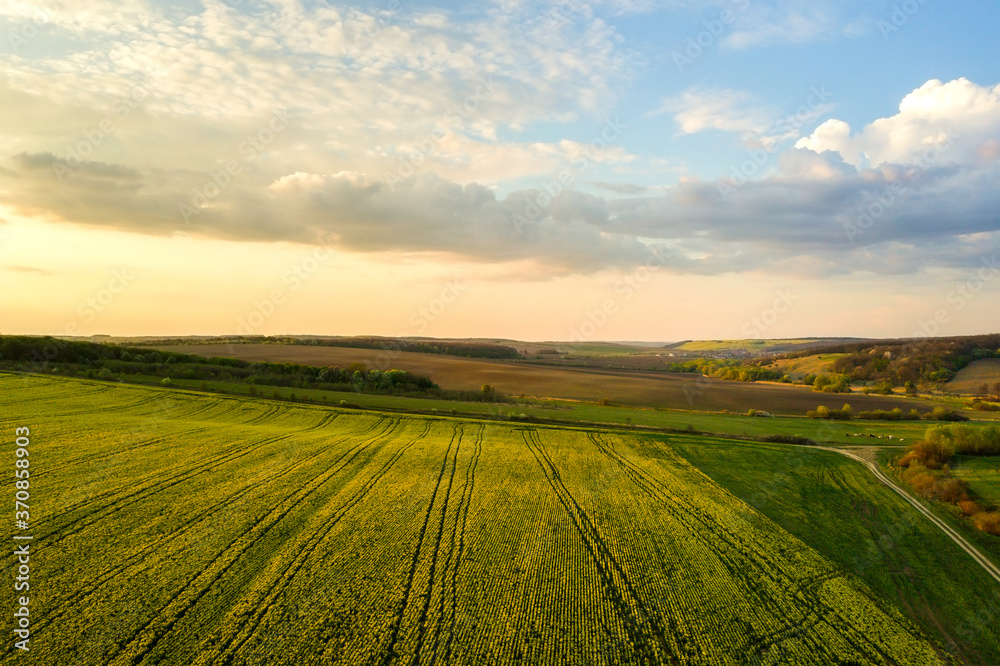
(463,513)
(641,625)
(186,597)
(105,577)
(132,496)
(806,596)
(261,606)
(986,563)
(390,651)
(428,595)
(248,532)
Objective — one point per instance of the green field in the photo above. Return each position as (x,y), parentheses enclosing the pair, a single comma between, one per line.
(177,528)
(579,412)
(983,475)
(838,508)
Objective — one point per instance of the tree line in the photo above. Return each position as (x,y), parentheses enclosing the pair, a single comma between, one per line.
(927,468)
(110,362)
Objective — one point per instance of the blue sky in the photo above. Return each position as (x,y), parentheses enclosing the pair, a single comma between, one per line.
(543,153)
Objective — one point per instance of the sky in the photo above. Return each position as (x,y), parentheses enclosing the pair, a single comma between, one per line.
(643,170)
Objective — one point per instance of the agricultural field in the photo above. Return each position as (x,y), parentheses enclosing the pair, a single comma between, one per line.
(665,390)
(982,474)
(177,528)
(970,378)
(838,508)
(797,368)
(572,412)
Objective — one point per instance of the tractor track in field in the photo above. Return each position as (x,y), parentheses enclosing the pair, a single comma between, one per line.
(97,584)
(805,589)
(182,474)
(110,454)
(987,564)
(285,578)
(323,422)
(227,558)
(84,521)
(605,562)
(390,650)
(428,596)
(272,409)
(463,510)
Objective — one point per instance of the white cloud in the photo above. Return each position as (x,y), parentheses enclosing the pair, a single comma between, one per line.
(958,119)
(787,22)
(701,109)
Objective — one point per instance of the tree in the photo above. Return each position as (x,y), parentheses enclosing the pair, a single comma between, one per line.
(105,374)
(166,381)
(488,390)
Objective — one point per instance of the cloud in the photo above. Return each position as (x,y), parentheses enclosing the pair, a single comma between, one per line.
(620,188)
(816,216)
(790,22)
(32,270)
(956,122)
(735,111)
(701,109)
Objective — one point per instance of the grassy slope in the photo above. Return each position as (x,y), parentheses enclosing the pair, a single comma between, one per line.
(797,368)
(974,375)
(983,475)
(179,528)
(838,508)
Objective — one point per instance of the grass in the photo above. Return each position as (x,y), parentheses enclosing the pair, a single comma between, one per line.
(173,527)
(837,507)
(563,411)
(970,378)
(797,368)
(982,474)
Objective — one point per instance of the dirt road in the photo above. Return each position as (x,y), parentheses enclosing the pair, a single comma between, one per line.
(983,561)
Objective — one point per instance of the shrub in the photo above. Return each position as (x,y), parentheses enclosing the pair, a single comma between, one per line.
(988,522)
(944,414)
(788,439)
(969,508)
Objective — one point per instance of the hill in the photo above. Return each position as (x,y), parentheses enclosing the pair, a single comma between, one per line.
(655,389)
(200,529)
(974,377)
